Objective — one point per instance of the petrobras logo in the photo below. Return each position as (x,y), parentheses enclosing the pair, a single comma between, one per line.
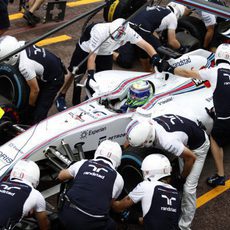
(182,62)
(4,158)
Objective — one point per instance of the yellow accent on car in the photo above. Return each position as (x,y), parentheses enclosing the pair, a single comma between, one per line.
(1,112)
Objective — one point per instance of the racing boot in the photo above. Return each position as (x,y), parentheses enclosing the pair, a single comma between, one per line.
(216,180)
(60,103)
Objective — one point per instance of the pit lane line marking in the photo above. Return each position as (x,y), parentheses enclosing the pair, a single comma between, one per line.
(49,41)
(212,194)
(69,4)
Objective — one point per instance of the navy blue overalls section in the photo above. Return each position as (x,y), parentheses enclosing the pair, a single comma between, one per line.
(53,67)
(12,198)
(151,17)
(92,187)
(164,211)
(175,123)
(222,107)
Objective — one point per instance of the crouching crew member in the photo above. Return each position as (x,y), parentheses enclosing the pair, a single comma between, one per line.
(160,201)
(19,198)
(95,186)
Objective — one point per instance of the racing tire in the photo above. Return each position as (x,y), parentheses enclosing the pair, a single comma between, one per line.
(13,86)
(192,25)
(130,167)
(121,9)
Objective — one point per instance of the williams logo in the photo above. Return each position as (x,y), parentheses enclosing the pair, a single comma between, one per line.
(182,62)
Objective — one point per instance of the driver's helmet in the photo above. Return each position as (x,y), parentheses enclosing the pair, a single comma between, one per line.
(139,93)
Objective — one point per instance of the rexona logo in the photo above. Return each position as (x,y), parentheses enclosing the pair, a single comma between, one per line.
(182,62)
(4,158)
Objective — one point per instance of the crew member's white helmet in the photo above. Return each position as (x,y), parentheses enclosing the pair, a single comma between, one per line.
(26,170)
(177,9)
(223,53)
(110,150)
(118,28)
(156,166)
(140,134)
(7,45)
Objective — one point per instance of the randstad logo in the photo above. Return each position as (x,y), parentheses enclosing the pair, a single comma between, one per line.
(182,62)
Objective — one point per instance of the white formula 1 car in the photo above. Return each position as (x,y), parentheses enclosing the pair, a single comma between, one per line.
(77,131)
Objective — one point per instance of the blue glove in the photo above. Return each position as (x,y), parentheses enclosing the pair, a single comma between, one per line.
(164,66)
(155,60)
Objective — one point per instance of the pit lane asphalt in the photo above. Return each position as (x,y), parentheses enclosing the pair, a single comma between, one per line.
(213,204)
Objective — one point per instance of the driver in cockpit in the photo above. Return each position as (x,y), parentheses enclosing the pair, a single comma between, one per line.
(138,95)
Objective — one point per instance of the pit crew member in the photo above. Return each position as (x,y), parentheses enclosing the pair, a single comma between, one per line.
(154,192)
(43,72)
(19,197)
(148,23)
(96,184)
(182,138)
(219,77)
(98,43)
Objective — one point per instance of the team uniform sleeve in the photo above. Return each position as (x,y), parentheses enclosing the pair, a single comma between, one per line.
(170,21)
(95,40)
(168,142)
(208,19)
(26,66)
(118,186)
(132,36)
(137,193)
(73,169)
(41,203)
(210,75)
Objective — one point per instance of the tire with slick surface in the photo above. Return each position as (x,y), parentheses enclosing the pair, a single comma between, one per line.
(121,9)
(13,86)
(192,25)
(130,167)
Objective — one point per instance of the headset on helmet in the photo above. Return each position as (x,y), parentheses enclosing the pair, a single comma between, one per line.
(177,9)
(156,166)
(26,170)
(118,28)
(9,44)
(139,93)
(140,134)
(223,53)
(110,150)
